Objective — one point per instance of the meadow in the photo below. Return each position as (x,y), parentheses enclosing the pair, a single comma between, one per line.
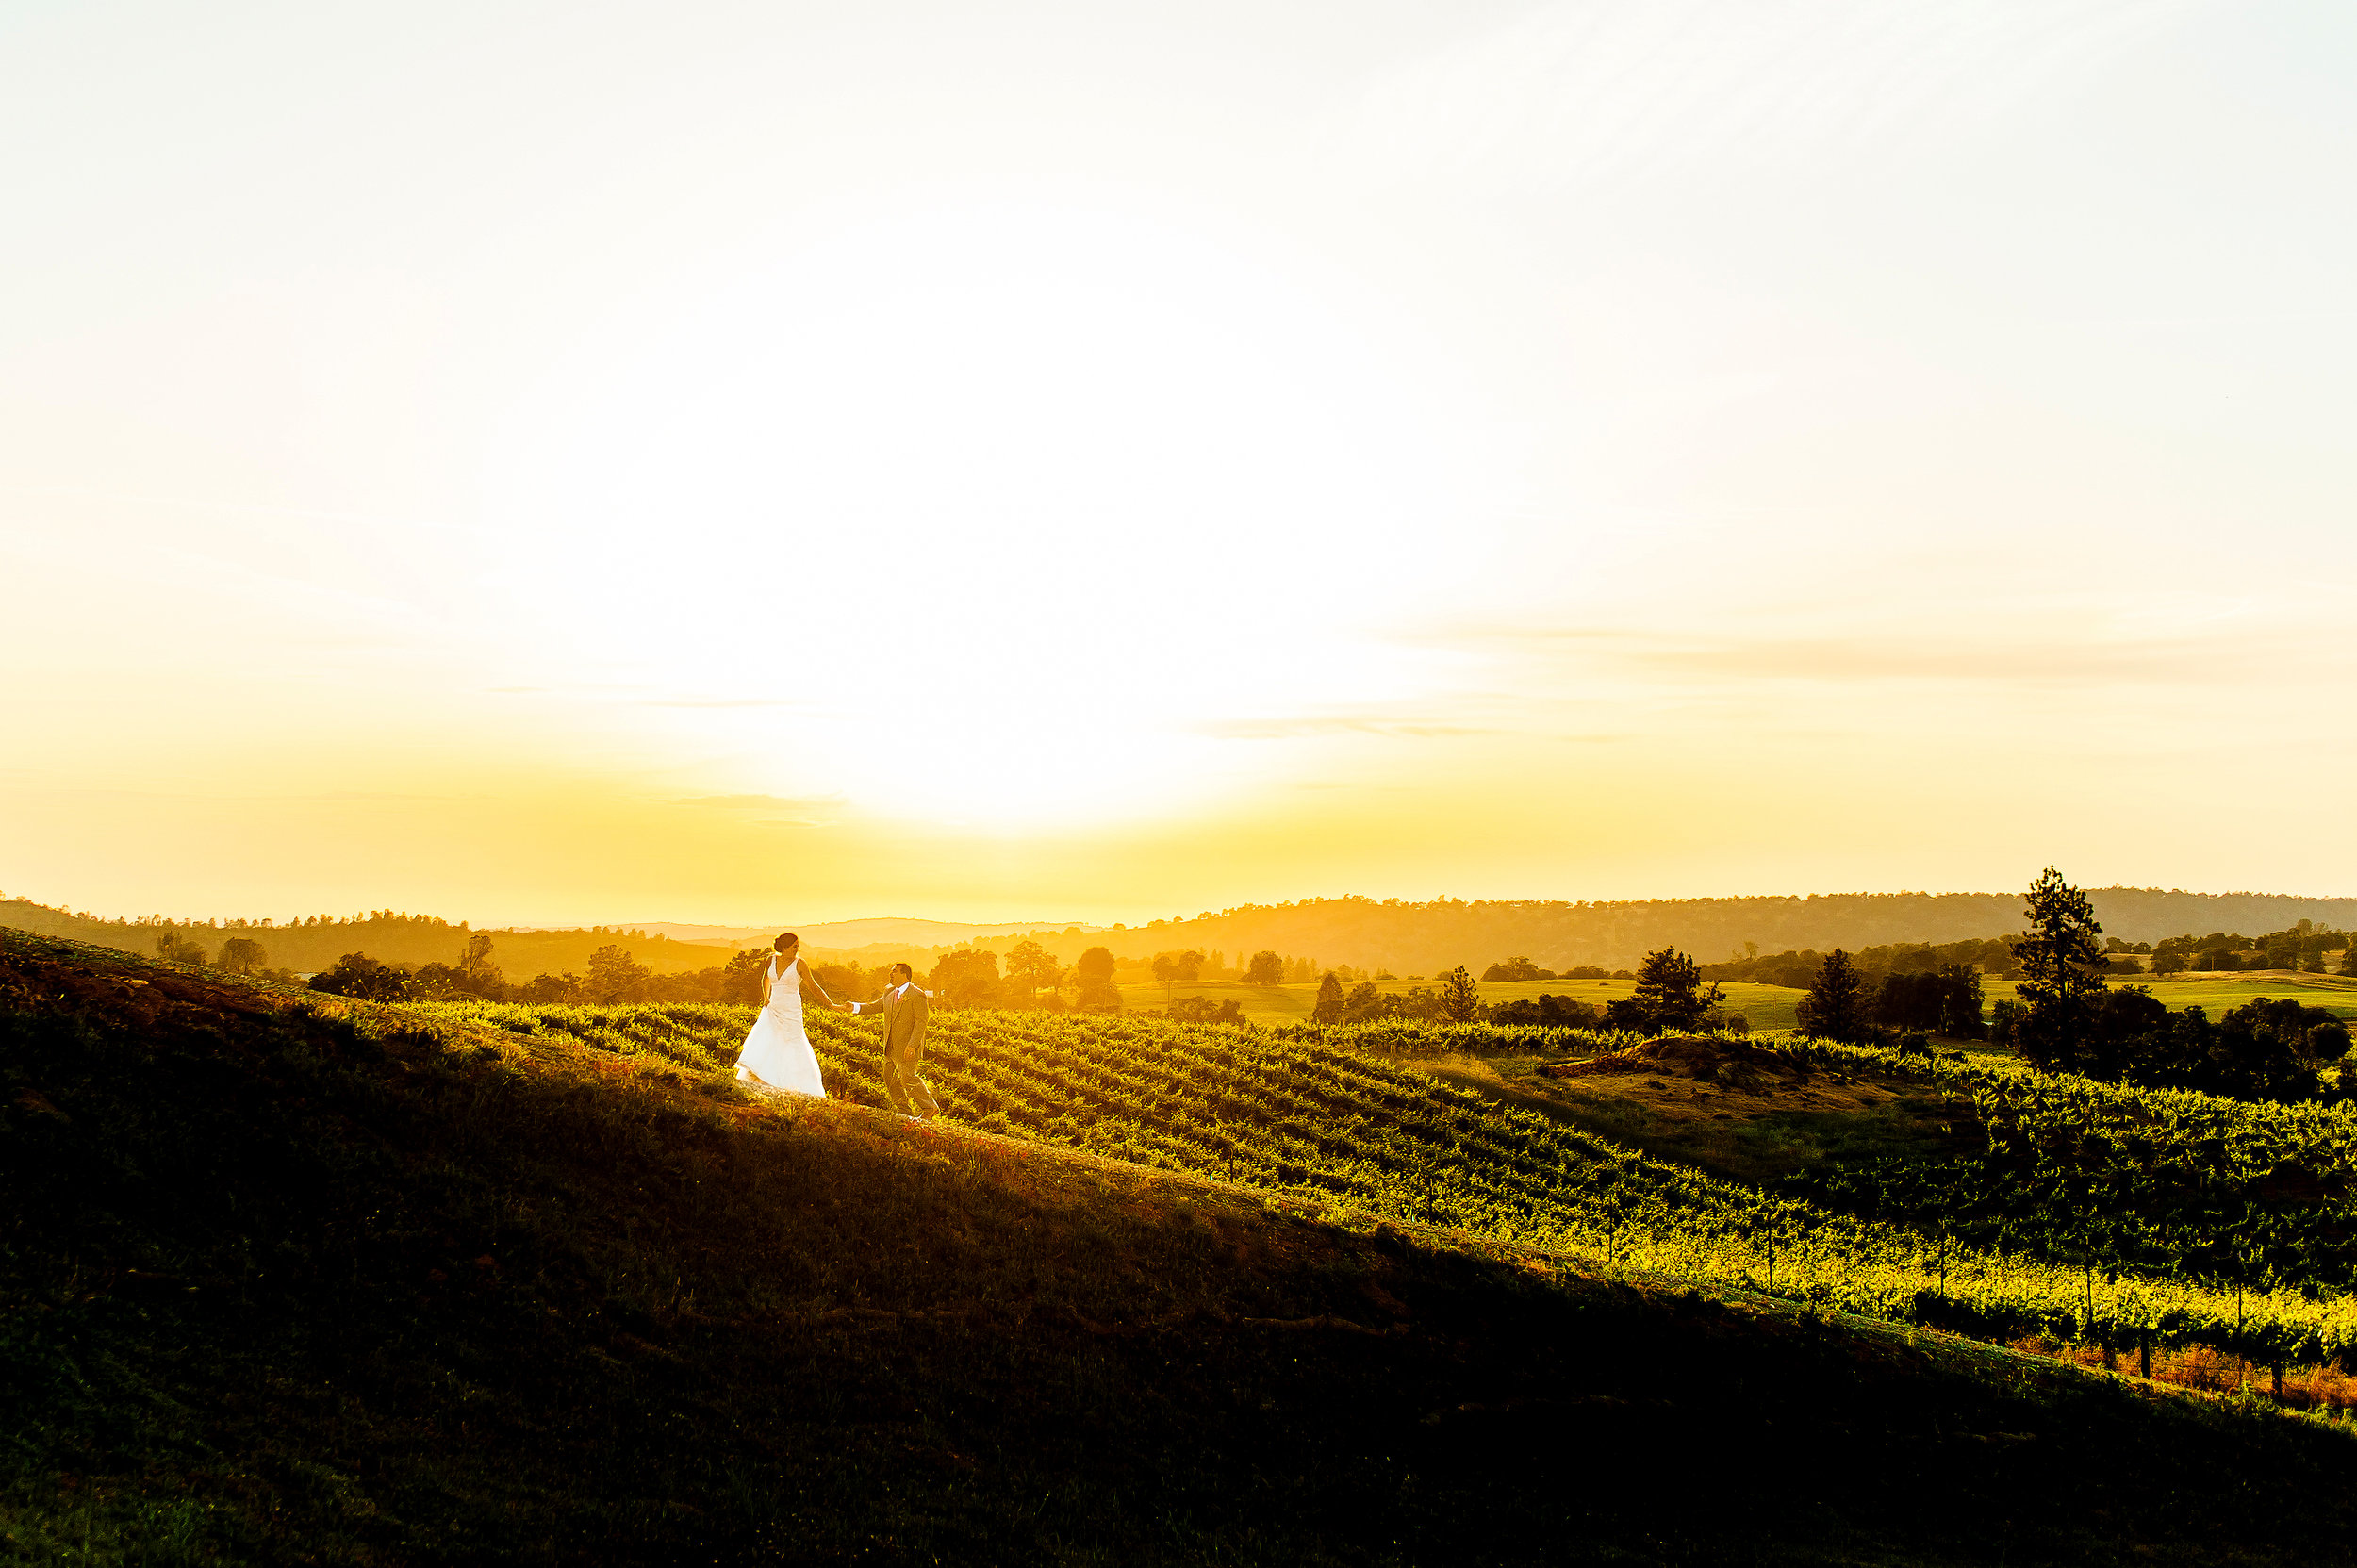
(2218,991)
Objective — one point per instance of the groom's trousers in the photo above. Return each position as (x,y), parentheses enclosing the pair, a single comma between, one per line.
(906,1091)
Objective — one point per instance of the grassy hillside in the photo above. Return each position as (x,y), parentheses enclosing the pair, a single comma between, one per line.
(1334,1115)
(284,1280)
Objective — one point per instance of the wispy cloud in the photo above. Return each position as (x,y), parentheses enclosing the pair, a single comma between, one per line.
(636,694)
(1304,726)
(1605,90)
(2047,661)
(2182,639)
(771,810)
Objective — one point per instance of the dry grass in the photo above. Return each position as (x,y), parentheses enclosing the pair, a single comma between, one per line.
(2327,1390)
(1752,1113)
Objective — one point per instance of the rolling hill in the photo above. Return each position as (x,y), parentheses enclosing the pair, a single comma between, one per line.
(1406,939)
(287,1280)
(893,931)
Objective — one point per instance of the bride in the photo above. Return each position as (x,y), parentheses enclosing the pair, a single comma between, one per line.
(777,1053)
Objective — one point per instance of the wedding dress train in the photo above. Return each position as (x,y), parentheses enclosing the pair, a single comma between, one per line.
(777,1053)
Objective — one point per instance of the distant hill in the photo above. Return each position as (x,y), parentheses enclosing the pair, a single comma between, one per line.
(310,947)
(1425,938)
(899,931)
(1368,933)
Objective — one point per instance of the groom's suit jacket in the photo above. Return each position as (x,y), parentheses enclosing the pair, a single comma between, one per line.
(905,1014)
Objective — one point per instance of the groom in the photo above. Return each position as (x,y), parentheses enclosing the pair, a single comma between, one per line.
(903,1006)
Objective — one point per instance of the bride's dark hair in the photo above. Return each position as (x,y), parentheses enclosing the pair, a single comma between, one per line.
(786,939)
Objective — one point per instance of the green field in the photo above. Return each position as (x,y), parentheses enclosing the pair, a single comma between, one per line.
(2219,991)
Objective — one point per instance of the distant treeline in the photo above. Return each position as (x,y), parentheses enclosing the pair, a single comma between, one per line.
(312,944)
(1034,978)
(2304,946)
(1988,955)
(1393,937)
(1377,937)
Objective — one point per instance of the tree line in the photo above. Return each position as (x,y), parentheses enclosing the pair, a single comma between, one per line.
(1032,978)
(2070,1019)
(2304,947)
(1425,936)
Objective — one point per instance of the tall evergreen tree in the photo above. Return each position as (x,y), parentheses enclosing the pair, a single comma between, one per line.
(1461,999)
(1669,992)
(1834,1008)
(2062,954)
(1329,1004)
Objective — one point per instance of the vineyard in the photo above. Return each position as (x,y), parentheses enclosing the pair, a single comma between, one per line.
(2085,1221)
(2156,1181)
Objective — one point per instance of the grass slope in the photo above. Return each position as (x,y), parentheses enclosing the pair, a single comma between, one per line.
(280,1283)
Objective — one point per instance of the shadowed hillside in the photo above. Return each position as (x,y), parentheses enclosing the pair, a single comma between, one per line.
(287,1280)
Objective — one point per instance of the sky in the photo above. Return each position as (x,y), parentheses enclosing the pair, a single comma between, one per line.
(539,463)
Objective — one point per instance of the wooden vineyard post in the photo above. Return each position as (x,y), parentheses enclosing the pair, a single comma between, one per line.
(2144,1357)
(2277,1381)
(2240,1360)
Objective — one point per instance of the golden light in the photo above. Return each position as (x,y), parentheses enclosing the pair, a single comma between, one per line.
(982,515)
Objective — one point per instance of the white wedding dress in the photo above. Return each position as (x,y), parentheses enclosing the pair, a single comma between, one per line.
(777,1053)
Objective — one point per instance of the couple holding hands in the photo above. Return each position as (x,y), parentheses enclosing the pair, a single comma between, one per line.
(777,1053)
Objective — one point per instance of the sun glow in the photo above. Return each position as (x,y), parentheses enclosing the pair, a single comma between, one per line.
(1068,485)
(727,462)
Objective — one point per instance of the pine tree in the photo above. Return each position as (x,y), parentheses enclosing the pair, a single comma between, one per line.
(1669,992)
(1834,1008)
(1461,999)
(2064,960)
(1329,1004)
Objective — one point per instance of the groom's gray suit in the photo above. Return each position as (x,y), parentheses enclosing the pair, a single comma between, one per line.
(905,1013)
